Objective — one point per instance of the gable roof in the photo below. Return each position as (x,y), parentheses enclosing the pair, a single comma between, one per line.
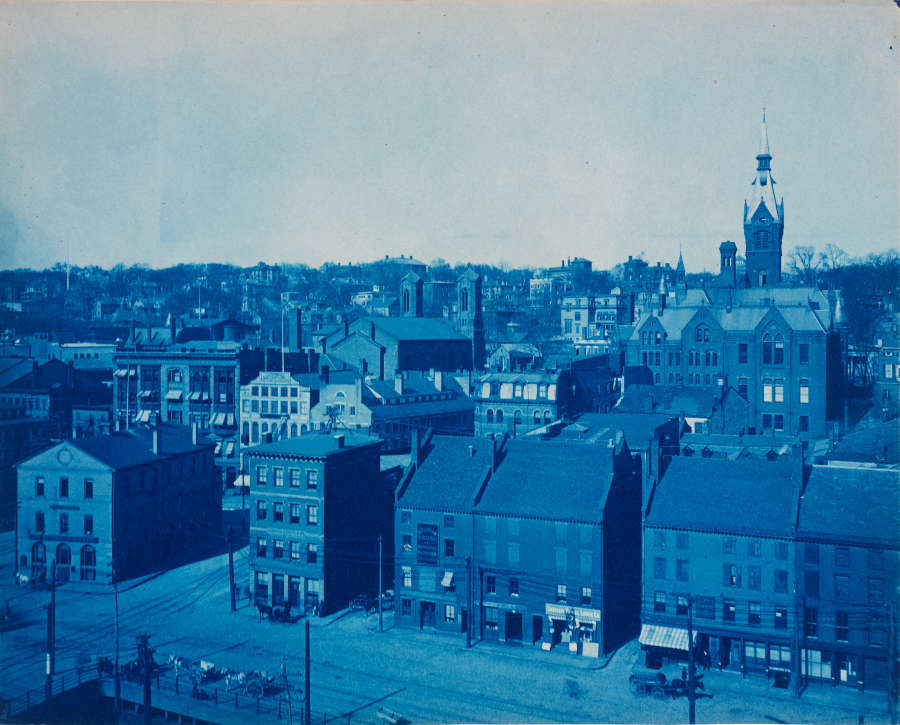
(314,445)
(447,479)
(548,479)
(854,504)
(744,496)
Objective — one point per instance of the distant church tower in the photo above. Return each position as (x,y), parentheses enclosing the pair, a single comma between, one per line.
(469,321)
(763,221)
(411,295)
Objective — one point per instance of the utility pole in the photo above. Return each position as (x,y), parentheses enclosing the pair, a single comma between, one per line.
(380,605)
(287,688)
(145,657)
(118,684)
(471,616)
(691,683)
(231,568)
(892,665)
(795,663)
(51,623)
(481,604)
(307,718)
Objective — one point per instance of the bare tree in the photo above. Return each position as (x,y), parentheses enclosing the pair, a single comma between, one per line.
(805,262)
(834,257)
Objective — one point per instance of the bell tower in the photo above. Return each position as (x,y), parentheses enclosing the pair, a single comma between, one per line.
(763,220)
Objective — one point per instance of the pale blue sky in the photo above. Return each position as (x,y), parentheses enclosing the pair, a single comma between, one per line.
(483,131)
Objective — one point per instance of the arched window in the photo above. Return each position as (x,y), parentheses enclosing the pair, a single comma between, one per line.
(779,350)
(254,436)
(499,415)
(245,430)
(406,300)
(38,553)
(489,415)
(707,379)
(708,358)
(698,334)
(464,300)
(537,417)
(547,417)
(517,417)
(265,428)
(804,391)
(293,430)
(768,348)
(88,563)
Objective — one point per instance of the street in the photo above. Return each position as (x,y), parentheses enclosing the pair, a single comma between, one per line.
(355,669)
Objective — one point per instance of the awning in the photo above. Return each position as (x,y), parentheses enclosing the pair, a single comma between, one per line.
(447,581)
(229,449)
(218,448)
(122,372)
(669,637)
(143,416)
(229,419)
(173,395)
(145,393)
(194,396)
(218,419)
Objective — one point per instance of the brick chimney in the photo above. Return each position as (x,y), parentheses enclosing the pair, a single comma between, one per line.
(339,441)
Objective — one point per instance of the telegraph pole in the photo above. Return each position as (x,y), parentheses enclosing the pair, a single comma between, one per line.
(798,622)
(231,569)
(145,657)
(380,605)
(287,687)
(469,583)
(691,683)
(307,718)
(118,684)
(892,664)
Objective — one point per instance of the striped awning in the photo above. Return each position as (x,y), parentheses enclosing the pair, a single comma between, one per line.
(122,372)
(218,419)
(143,416)
(447,581)
(173,395)
(654,635)
(229,449)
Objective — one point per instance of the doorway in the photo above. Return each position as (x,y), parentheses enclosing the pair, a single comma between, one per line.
(513,626)
(426,614)
(537,629)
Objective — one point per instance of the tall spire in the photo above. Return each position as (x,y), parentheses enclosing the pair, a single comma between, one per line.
(764,156)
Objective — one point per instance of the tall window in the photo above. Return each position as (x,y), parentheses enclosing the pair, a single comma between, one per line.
(88,488)
(64,523)
(768,347)
(743,387)
(88,558)
(39,521)
(659,602)
(39,486)
(742,352)
(262,475)
(312,514)
(779,390)
(63,487)
(312,478)
(779,350)
(88,525)
(279,476)
(804,353)
(767,390)
(804,391)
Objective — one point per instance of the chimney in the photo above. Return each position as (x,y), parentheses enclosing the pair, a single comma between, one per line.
(298,330)
(398,383)
(156,446)
(339,441)
(309,361)
(438,380)
(493,453)
(172,334)
(194,431)
(414,450)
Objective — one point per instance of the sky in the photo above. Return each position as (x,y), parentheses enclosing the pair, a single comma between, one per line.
(496,132)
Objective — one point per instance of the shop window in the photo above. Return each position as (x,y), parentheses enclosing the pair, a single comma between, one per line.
(490,618)
(449,613)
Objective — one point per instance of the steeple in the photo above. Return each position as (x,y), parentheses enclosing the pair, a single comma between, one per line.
(763,220)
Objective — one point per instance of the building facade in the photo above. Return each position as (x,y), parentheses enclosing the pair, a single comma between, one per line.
(519,402)
(120,504)
(277,405)
(886,389)
(313,499)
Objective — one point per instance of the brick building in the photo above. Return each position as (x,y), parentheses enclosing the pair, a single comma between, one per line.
(848,541)
(542,543)
(316,502)
(518,402)
(131,501)
(702,545)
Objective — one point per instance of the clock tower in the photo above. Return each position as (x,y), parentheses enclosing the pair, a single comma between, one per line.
(763,221)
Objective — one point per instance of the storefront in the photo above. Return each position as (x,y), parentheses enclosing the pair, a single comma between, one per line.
(663,644)
(576,627)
